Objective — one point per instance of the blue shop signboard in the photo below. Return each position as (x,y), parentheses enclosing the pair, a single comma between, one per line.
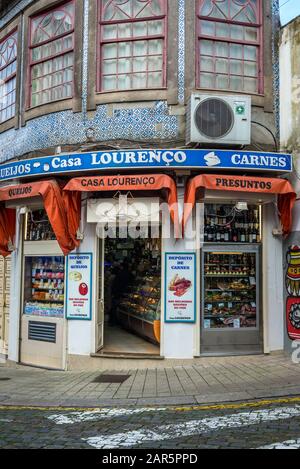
(147,159)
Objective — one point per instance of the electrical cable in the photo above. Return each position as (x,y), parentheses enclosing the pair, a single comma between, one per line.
(269,130)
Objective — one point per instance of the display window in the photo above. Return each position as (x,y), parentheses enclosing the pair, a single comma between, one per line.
(230,290)
(229,224)
(38,226)
(44,286)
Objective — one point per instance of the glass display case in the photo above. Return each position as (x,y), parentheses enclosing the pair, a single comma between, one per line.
(140,306)
(230,299)
(143,300)
(44,286)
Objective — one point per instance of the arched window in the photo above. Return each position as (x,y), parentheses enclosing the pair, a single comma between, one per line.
(229,53)
(52,55)
(132,44)
(8,72)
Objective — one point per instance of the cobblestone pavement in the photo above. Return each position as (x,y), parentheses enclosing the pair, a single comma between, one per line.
(207,380)
(245,425)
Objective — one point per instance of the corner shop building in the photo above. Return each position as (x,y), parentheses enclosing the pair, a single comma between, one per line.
(58,315)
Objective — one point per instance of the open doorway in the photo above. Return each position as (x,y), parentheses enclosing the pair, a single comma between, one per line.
(132,296)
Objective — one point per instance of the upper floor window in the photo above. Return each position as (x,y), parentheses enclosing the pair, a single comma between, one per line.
(132,44)
(229,55)
(52,55)
(8,76)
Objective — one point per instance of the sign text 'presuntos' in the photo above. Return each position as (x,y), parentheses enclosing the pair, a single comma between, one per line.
(244,184)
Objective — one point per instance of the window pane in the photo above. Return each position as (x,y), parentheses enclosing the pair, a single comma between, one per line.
(207,28)
(124,49)
(237,32)
(236,83)
(123,82)
(251,34)
(236,67)
(124,66)
(250,84)
(109,83)
(109,51)
(109,31)
(222,82)
(207,80)
(155,63)
(250,52)
(206,47)
(221,65)
(207,64)
(236,51)
(124,30)
(155,80)
(221,49)
(155,47)
(140,64)
(155,28)
(109,67)
(139,80)
(250,69)
(222,30)
(139,29)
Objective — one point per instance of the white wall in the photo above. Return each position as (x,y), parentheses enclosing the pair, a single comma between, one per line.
(286,124)
(272,285)
(177,338)
(81,334)
(15,295)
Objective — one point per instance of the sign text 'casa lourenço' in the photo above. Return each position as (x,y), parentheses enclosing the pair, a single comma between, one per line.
(147,159)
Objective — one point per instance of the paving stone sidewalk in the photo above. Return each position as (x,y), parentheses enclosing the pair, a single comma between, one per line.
(205,380)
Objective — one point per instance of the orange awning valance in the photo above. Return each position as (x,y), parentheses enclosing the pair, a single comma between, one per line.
(282,187)
(140,182)
(54,206)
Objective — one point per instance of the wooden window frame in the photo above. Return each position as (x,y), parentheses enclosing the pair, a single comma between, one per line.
(10,29)
(73,103)
(168,93)
(32,46)
(258,44)
(264,100)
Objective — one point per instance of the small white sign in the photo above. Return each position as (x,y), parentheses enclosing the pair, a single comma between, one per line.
(79,287)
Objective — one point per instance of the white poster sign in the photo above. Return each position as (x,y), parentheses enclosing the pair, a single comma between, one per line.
(79,287)
(180,287)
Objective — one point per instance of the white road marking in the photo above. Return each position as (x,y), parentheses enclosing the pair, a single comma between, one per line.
(193,427)
(78,417)
(289,444)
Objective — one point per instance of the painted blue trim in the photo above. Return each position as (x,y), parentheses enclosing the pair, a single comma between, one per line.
(73,163)
(193,321)
(90,254)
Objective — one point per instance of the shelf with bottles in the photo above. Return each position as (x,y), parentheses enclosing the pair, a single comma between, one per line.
(38,227)
(227,224)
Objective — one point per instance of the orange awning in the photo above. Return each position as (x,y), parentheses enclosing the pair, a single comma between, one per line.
(54,206)
(140,182)
(282,187)
(7,230)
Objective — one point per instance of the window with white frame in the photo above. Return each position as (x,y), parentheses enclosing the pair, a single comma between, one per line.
(52,55)
(229,52)
(8,76)
(132,44)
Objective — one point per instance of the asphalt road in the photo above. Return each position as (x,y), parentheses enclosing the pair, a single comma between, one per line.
(273,424)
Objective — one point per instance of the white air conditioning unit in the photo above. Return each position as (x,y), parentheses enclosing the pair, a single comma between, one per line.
(216,119)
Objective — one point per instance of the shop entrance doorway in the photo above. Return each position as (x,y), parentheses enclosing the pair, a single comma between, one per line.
(129,304)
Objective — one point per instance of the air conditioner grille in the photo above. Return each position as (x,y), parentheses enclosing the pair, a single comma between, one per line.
(214,118)
(42,332)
